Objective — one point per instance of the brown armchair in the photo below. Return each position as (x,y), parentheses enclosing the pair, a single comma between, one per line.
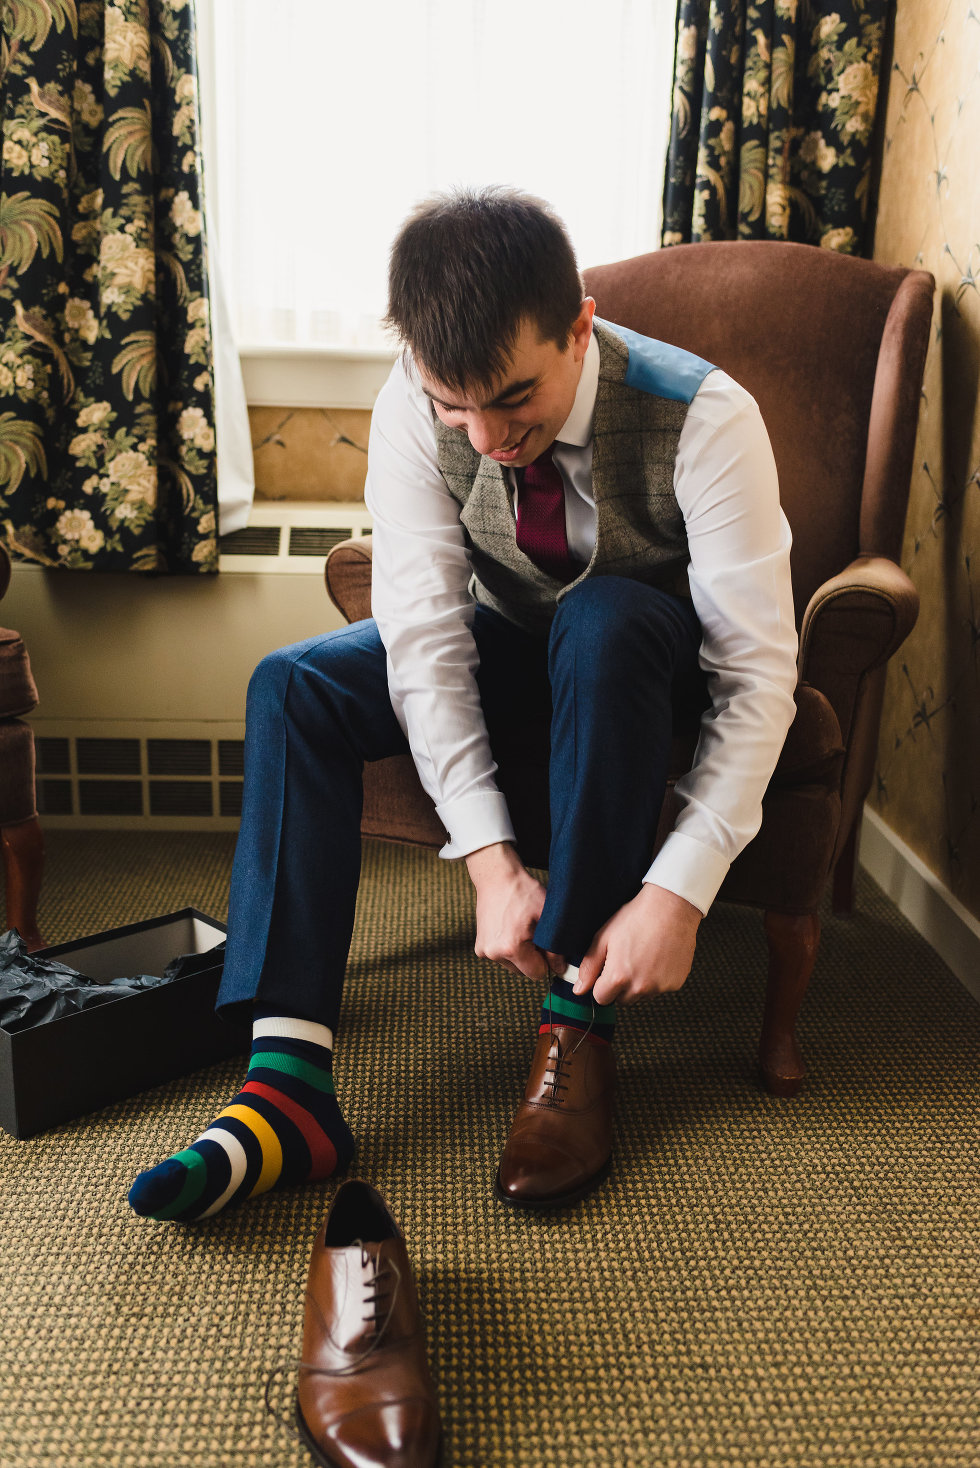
(20,833)
(833,349)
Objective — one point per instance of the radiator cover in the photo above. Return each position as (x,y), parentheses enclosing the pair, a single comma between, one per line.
(129,775)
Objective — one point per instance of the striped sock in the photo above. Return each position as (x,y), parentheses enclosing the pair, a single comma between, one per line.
(562,1007)
(284,1126)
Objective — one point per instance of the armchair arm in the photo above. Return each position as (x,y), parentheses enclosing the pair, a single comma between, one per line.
(348,577)
(853,624)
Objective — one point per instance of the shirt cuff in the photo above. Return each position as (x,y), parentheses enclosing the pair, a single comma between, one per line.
(474,821)
(690,869)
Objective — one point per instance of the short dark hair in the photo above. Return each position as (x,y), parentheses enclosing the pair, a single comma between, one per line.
(467,269)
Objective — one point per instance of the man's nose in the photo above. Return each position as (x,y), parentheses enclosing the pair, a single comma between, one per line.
(487,431)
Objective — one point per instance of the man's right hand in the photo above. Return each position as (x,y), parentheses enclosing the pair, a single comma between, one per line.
(508,904)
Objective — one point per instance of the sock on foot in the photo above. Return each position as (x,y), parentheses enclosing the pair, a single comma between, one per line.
(563,1007)
(284,1126)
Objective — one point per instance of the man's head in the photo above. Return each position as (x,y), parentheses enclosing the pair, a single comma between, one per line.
(485,292)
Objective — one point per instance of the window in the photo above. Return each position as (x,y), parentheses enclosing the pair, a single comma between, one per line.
(325,122)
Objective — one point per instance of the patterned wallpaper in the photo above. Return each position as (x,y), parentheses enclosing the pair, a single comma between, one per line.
(928,778)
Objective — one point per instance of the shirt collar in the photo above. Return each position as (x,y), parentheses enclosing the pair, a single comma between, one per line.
(577,428)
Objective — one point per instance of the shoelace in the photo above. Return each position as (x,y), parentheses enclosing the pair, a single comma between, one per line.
(376,1289)
(556,1075)
(376,1292)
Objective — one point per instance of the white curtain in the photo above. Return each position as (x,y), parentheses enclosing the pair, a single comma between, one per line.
(330,120)
(236,470)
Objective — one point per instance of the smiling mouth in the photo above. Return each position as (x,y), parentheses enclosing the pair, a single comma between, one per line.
(505,456)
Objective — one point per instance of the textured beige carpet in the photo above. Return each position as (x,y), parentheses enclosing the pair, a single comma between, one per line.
(787,1284)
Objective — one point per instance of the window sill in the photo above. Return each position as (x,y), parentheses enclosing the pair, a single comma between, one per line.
(314,376)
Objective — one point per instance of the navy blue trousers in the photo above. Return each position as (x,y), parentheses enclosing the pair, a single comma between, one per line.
(617,672)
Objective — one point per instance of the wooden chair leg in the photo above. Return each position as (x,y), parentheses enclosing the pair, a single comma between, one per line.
(843,889)
(23,856)
(793,943)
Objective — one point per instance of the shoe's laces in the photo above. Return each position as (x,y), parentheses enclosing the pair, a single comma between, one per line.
(556,1075)
(380,1289)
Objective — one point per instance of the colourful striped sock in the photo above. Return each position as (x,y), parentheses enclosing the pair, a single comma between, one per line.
(562,1007)
(284,1126)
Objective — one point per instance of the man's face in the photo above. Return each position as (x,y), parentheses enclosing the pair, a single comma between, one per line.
(518,417)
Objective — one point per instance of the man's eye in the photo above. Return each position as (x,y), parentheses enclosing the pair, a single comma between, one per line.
(520,403)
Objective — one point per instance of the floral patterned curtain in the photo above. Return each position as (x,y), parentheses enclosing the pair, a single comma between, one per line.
(107,445)
(773,114)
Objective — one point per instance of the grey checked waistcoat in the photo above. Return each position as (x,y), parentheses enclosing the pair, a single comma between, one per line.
(644,391)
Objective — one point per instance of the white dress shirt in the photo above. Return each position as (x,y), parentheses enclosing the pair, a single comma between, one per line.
(739,543)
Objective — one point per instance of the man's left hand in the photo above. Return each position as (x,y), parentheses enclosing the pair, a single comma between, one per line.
(647,947)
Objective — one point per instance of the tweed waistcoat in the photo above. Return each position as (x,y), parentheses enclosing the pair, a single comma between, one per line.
(645,389)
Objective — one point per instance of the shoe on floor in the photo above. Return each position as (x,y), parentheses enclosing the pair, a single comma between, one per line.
(365,1395)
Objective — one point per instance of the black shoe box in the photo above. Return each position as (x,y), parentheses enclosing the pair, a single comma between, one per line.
(68,1066)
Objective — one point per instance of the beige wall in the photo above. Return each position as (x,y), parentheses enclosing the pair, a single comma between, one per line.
(309,453)
(928,787)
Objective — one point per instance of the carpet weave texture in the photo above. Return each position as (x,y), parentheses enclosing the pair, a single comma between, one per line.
(760,1283)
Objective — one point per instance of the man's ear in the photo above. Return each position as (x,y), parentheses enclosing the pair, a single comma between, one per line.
(582,329)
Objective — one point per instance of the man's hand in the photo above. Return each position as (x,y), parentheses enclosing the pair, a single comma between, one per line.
(508,904)
(647,947)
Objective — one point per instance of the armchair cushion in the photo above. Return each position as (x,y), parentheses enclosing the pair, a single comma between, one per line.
(814,752)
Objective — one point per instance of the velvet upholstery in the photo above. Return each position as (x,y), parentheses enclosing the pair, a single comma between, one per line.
(19,829)
(833,349)
(16,772)
(18,695)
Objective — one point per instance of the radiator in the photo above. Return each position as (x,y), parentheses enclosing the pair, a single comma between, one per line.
(139,775)
(291,537)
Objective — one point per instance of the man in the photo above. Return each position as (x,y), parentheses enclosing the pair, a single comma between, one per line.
(570,519)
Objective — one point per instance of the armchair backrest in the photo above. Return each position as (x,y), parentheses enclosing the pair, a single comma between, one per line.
(833,350)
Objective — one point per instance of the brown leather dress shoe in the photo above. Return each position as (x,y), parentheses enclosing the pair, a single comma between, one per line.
(560,1142)
(365,1396)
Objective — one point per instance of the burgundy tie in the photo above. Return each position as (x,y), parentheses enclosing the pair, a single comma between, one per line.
(541,518)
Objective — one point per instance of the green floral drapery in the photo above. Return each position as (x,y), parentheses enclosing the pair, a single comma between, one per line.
(773,113)
(107,445)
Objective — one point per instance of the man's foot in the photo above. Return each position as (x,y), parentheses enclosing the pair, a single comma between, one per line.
(561,1005)
(560,1142)
(284,1126)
